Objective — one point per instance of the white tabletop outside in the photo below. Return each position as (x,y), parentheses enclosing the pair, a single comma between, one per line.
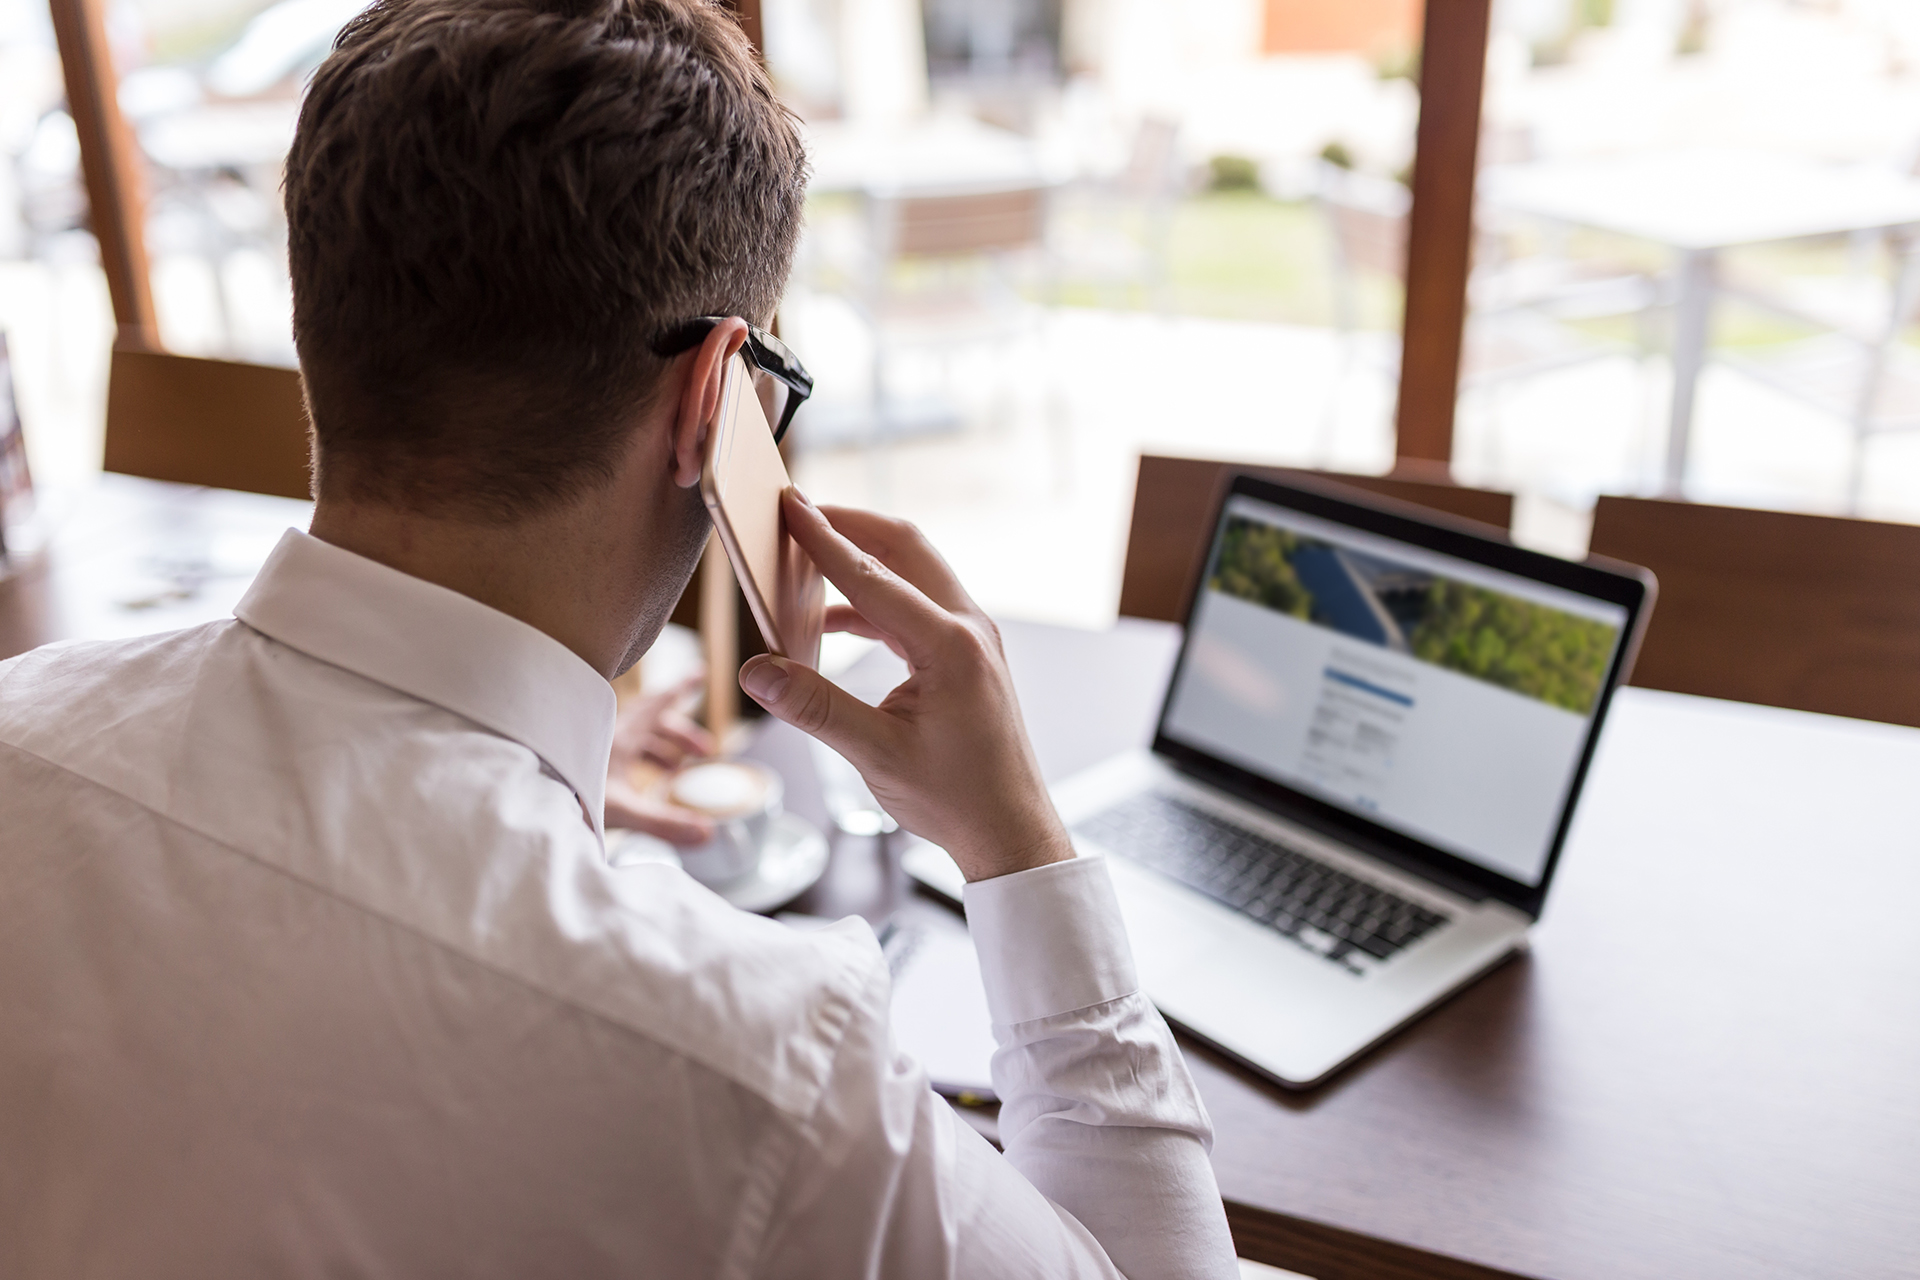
(1707,199)
(936,155)
(1697,203)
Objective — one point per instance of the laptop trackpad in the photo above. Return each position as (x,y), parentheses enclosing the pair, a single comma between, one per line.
(1193,952)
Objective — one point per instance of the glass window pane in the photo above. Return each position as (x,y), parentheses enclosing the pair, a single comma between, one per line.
(1048,235)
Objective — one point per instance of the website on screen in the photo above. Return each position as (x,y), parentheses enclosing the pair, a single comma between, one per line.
(1435,696)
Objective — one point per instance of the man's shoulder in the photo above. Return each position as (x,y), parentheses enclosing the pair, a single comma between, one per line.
(146,717)
(420,822)
(62,692)
(67,669)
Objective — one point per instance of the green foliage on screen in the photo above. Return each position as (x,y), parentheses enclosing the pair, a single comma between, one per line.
(1256,563)
(1532,649)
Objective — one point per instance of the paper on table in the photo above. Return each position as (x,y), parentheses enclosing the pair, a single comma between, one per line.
(939,1004)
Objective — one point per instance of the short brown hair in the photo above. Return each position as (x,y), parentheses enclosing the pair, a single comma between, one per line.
(494,207)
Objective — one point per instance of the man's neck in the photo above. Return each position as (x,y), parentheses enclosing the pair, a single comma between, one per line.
(562,572)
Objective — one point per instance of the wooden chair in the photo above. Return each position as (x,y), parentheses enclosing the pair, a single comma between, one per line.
(1810,612)
(218,423)
(26,606)
(244,426)
(1174,497)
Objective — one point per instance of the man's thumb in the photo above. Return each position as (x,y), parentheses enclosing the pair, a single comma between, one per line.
(809,702)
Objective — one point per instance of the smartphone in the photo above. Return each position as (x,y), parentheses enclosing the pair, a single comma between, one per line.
(741,482)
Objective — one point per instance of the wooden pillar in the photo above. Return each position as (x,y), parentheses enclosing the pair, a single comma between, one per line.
(748,11)
(111,164)
(1453,62)
(720,599)
(720,639)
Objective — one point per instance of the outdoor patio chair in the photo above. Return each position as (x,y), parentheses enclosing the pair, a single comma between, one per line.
(1173,499)
(1816,613)
(1857,369)
(1115,233)
(943,278)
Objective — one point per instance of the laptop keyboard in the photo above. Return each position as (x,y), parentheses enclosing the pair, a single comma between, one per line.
(1329,912)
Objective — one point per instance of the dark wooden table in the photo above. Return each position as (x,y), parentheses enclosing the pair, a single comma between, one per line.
(1708,1063)
(127,557)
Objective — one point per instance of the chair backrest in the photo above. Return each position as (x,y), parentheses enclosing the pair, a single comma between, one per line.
(26,605)
(1368,218)
(1811,612)
(1153,162)
(208,422)
(1174,498)
(962,223)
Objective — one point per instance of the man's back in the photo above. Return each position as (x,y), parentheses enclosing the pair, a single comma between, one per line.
(294,965)
(311,963)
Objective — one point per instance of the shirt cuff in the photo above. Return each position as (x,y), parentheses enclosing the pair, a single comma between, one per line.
(1050,940)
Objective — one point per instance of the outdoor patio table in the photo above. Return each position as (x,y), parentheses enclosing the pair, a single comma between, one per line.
(935,155)
(1699,203)
(207,138)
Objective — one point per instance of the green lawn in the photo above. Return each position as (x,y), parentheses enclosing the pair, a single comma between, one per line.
(1246,256)
(1241,255)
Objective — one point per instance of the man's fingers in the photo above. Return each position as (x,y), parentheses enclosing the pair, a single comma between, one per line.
(882,596)
(683,732)
(844,617)
(627,808)
(903,549)
(815,705)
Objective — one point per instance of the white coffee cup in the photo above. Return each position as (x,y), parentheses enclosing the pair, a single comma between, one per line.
(742,800)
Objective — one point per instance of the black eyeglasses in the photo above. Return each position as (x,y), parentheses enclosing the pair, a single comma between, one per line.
(779,379)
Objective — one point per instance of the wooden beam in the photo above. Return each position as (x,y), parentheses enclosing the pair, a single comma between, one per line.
(720,599)
(1453,60)
(719,640)
(748,11)
(110,161)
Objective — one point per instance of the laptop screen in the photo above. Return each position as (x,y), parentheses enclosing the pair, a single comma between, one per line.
(1443,699)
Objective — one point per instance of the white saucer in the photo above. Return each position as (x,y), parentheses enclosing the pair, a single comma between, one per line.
(793,861)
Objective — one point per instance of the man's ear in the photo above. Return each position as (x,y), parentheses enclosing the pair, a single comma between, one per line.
(704,367)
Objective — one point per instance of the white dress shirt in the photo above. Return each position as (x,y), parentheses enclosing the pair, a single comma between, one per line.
(311,965)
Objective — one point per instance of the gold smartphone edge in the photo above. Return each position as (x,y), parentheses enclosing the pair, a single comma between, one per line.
(736,558)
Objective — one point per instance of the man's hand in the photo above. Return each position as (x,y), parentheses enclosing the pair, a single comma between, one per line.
(656,729)
(946,753)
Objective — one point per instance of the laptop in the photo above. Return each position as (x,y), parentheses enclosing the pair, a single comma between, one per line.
(1365,767)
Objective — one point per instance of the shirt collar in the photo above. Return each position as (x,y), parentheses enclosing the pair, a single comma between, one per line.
(441,647)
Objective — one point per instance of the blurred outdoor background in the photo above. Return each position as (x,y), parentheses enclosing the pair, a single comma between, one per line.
(1048,235)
